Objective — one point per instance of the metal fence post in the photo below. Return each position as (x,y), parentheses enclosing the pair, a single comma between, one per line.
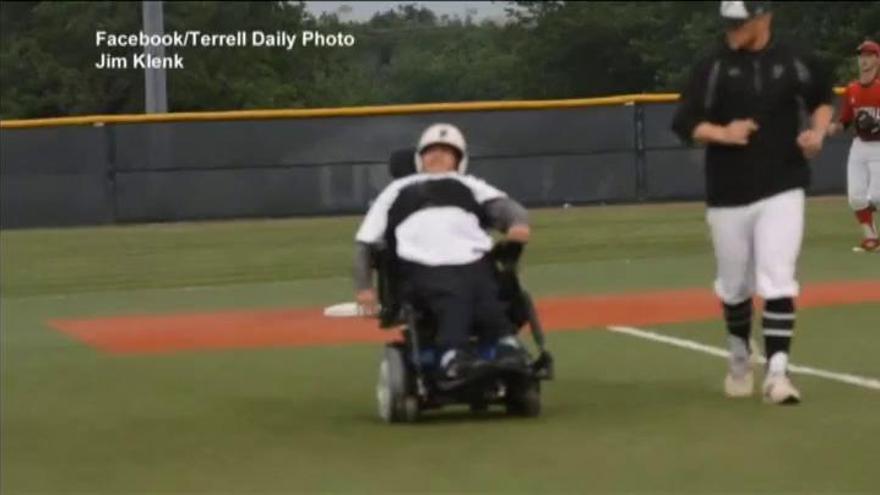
(110,169)
(155,95)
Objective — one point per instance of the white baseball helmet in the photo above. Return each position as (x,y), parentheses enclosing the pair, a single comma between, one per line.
(446,134)
(736,13)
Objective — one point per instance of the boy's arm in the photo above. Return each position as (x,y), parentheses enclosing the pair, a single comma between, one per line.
(505,214)
(510,217)
(362,272)
(370,233)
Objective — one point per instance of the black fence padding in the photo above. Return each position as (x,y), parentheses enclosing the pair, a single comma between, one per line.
(675,174)
(829,168)
(274,168)
(554,180)
(269,143)
(55,177)
(53,150)
(658,118)
(50,200)
(402,163)
(205,194)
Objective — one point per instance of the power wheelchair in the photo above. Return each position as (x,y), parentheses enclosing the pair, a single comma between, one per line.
(410,381)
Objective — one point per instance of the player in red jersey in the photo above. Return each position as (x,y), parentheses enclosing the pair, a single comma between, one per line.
(861,109)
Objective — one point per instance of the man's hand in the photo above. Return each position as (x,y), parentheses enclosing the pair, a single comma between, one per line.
(810,142)
(737,132)
(519,233)
(367,302)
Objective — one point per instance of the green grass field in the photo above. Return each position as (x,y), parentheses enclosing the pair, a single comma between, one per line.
(623,415)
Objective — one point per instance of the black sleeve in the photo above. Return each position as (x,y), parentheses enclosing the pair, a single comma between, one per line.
(696,99)
(814,81)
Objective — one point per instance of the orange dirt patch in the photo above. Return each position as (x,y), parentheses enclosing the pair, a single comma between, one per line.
(308,327)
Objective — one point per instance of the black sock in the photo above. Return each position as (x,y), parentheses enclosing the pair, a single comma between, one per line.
(778,325)
(738,318)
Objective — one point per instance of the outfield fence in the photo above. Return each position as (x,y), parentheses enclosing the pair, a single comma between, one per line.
(105,169)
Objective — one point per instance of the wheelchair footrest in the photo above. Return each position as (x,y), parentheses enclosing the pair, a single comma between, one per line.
(543,367)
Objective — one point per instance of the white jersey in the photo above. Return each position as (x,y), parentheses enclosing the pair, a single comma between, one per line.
(432,219)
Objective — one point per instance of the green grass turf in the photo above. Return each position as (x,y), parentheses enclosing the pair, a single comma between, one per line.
(611,246)
(624,415)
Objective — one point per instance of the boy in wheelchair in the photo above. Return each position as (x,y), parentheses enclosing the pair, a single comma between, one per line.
(430,228)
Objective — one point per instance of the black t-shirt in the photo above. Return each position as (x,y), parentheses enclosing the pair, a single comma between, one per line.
(779,87)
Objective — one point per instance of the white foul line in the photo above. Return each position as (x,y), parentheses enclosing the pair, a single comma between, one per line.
(859,381)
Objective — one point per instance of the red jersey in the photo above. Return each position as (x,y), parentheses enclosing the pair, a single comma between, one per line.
(858,97)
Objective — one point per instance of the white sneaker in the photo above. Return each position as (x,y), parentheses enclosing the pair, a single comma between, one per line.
(738,386)
(778,389)
(740,380)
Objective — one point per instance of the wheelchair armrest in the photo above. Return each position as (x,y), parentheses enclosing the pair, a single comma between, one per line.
(507,254)
(390,317)
(387,288)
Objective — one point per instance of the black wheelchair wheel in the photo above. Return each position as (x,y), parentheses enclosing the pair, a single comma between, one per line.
(395,402)
(524,398)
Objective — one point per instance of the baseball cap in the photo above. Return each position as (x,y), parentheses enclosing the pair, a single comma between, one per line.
(736,13)
(870,47)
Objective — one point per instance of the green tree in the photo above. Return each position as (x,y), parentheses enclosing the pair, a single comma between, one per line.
(237,77)
(403,55)
(47,57)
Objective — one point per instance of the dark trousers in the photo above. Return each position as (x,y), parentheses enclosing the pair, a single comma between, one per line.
(461,299)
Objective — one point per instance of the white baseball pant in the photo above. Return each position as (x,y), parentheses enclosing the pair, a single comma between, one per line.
(757,247)
(863,174)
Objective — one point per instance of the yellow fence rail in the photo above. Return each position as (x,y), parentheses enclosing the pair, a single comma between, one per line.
(306,113)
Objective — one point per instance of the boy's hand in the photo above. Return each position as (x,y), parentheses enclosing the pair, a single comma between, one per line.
(367,302)
(519,233)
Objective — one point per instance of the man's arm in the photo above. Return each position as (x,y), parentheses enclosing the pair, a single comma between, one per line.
(692,121)
(697,97)
(736,133)
(821,118)
(812,139)
(818,93)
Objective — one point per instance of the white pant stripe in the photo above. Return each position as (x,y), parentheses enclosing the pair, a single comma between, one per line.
(773,332)
(778,316)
